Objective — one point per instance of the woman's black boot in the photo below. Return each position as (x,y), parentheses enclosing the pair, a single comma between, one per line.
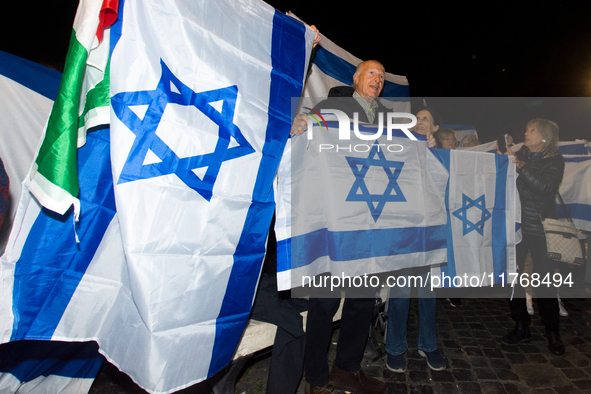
(519,334)
(555,343)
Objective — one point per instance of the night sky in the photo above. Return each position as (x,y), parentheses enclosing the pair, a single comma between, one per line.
(444,50)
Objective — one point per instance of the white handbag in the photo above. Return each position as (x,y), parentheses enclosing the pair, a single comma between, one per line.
(562,239)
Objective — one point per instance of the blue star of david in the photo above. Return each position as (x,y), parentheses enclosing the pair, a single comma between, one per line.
(359,191)
(170,90)
(462,214)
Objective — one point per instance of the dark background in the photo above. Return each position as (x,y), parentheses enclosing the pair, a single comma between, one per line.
(529,52)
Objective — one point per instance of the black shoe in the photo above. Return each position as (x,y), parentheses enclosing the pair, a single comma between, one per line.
(356,381)
(519,334)
(555,344)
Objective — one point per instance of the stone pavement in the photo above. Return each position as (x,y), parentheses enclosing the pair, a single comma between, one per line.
(469,337)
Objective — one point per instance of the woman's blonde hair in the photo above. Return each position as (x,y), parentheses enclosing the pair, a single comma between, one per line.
(548,130)
(442,133)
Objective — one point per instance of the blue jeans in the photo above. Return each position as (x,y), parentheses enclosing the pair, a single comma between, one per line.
(398,308)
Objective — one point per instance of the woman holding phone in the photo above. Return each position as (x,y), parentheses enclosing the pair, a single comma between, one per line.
(540,167)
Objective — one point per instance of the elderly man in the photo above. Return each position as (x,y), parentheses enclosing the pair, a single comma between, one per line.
(368,82)
(346,372)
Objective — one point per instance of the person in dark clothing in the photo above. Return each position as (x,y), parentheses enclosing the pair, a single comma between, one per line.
(541,168)
(346,372)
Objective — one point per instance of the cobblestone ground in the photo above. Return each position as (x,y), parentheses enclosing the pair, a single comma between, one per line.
(477,362)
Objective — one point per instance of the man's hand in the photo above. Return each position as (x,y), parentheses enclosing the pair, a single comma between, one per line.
(300,124)
(317,37)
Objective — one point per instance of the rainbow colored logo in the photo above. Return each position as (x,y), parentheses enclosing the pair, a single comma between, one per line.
(313,114)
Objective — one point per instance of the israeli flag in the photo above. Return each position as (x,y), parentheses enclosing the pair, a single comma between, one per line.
(176,198)
(356,207)
(482,209)
(575,188)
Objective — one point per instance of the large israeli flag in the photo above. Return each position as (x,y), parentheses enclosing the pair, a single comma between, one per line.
(358,207)
(176,198)
(482,208)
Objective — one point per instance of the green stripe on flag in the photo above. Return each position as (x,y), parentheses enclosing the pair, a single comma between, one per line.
(56,160)
(95,98)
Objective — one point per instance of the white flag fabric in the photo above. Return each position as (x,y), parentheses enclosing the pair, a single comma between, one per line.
(490,147)
(359,207)
(27,91)
(483,209)
(173,230)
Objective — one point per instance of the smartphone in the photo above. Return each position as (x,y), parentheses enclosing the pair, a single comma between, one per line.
(502,143)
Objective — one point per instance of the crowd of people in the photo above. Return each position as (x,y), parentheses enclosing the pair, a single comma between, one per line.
(540,167)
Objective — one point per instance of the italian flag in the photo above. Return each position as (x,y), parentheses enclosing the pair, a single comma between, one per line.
(81,106)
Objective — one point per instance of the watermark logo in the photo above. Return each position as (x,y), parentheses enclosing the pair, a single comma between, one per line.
(345,124)
(315,115)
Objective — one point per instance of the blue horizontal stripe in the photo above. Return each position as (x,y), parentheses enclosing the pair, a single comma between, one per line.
(576,211)
(578,159)
(363,244)
(40,79)
(341,70)
(572,149)
(27,360)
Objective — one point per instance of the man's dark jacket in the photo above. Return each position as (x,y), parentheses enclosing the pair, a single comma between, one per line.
(341,98)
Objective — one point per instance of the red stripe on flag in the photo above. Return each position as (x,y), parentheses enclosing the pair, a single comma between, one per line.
(107,17)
